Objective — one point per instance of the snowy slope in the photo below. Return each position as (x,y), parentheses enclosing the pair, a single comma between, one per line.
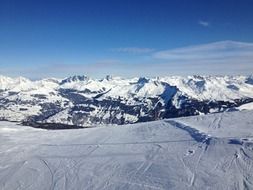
(226,124)
(165,154)
(248,106)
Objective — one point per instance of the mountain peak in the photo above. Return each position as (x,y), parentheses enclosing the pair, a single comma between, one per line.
(75,78)
(143,80)
(108,77)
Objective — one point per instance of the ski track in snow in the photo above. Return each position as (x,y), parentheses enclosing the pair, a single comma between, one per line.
(168,154)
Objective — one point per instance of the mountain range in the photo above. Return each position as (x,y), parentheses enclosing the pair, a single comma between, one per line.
(83,102)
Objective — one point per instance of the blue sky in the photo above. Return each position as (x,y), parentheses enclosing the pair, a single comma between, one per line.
(46,38)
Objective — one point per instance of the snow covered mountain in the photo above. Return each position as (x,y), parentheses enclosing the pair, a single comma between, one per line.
(83,101)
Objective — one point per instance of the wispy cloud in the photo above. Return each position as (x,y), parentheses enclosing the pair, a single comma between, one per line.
(204,23)
(225,57)
(133,50)
(216,51)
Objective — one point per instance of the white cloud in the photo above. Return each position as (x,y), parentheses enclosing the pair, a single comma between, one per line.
(133,50)
(216,51)
(204,23)
(225,57)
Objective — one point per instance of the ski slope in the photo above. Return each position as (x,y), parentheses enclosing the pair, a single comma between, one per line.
(201,152)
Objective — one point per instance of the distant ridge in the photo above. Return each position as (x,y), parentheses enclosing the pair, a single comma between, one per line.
(83,101)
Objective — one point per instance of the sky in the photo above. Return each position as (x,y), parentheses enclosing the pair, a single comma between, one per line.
(59,38)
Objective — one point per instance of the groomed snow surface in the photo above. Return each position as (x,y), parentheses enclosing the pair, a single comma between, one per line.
(203,152)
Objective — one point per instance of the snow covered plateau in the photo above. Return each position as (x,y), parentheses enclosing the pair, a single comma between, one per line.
(213,151)
(80,101)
